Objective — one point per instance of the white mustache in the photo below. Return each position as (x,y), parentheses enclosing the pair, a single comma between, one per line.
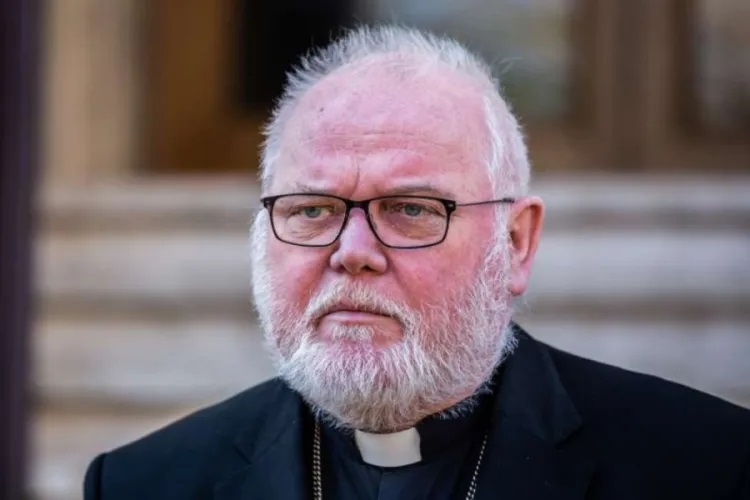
(355,297)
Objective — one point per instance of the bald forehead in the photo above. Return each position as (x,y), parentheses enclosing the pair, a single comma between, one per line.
(380,99)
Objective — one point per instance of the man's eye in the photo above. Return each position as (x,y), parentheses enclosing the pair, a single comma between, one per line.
(311,212)
(412,209)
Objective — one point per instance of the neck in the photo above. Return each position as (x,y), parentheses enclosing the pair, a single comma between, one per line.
(430,437)
(456,408)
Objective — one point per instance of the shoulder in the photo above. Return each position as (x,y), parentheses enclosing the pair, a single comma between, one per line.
(215,425)
(599,389)
(660,431)
(190,452)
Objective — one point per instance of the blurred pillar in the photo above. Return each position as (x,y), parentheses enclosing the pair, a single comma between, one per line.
(92,89)
(633,91)
(597,34)
(648,68)
(19,59)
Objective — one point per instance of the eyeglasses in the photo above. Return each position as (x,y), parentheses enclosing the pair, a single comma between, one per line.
(317,220)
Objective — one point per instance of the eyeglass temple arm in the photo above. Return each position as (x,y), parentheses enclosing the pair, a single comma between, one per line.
(487,202)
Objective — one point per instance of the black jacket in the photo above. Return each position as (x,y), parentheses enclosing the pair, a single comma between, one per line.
(563,428)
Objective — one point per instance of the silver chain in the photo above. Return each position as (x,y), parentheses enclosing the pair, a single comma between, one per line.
(318,474)
(316,466)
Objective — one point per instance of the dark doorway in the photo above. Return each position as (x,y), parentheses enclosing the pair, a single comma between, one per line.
(273,35)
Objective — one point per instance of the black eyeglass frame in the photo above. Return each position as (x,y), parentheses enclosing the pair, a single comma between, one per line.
(450,207)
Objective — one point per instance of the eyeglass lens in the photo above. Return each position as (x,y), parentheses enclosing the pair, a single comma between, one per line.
(406,221)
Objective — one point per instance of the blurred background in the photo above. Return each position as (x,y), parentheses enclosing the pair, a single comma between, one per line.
(638,119)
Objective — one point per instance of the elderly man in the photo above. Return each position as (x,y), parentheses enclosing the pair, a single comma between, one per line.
(397,230)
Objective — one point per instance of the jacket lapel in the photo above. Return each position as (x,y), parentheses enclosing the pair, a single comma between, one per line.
(534,420)
(272,449)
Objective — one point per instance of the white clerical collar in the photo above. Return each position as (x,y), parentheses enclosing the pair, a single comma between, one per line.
(389,450)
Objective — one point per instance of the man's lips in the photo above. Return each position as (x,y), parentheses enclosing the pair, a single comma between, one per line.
(346,308)
(354,315)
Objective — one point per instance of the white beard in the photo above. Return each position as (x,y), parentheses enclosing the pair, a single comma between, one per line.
(448,351)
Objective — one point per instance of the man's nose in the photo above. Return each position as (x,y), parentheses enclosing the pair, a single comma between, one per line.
(358,249)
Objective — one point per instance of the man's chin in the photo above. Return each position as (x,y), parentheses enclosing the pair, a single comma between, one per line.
(344,349)
(375,333)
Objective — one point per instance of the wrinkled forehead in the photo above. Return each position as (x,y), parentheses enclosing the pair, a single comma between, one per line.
(381,98)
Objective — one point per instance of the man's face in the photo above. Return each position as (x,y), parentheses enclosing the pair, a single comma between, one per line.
(412,331)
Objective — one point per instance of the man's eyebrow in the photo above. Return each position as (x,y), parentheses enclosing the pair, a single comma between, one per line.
(420,189)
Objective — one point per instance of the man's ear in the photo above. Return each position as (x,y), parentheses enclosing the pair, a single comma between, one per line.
(524,230)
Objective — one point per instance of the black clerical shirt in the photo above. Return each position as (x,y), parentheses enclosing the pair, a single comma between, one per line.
(449,450)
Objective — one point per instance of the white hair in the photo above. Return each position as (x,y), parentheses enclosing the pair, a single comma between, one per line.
(507,164)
